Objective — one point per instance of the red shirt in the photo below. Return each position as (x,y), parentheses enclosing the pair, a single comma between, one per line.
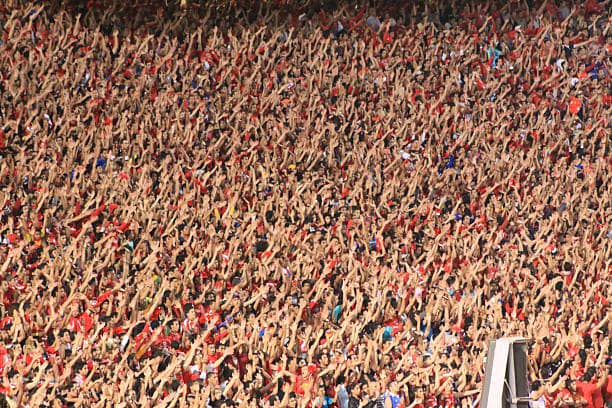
(209,316)
(591,393)
(565,395)
(212,358)
(302,383)
(166,341)
(189,326)
(81,324)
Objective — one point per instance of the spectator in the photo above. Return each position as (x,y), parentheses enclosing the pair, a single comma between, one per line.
(303,206)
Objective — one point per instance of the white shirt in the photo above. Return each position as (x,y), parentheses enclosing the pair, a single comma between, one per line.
(539,403)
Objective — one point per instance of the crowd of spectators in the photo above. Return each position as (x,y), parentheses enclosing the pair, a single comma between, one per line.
(295,205)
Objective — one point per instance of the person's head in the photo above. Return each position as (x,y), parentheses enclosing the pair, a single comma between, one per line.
(292,399)
(75,309)
(217,394)
(84,370)
(386,360)
(174,326)
(259,379)
(570,385)
(212,378)
(199,358)
(273,401)
(373,388)
(356,390)
(338,356)
(306,287)
(65,336)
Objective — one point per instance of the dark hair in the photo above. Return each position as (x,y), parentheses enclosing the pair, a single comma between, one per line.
(3,401)
(79,365)
(164,364)
(175,385)
(589,374)
(583,356)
